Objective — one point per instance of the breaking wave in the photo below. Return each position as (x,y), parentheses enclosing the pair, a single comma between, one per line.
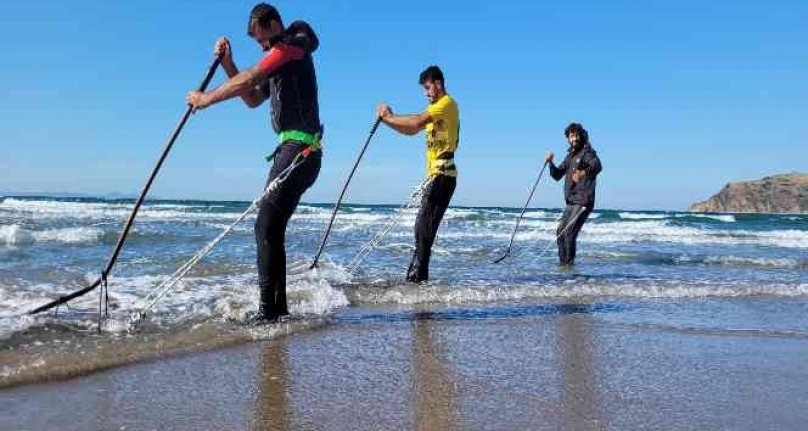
(15,235)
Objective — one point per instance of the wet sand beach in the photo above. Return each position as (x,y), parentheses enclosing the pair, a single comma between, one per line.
(556,366)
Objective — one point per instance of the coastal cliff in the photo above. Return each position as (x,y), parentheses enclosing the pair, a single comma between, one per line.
(785,193)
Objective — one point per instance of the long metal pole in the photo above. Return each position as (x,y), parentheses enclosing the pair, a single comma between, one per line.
(518,220)
(342,194)
(122,238)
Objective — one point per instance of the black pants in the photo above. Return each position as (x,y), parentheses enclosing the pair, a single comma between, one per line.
(270,227)
(571,223)
(433,205)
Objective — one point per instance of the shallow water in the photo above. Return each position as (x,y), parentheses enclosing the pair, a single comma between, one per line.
(569,365)
(50,246)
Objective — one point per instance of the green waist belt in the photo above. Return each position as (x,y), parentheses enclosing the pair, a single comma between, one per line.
(313,141)
(297,135)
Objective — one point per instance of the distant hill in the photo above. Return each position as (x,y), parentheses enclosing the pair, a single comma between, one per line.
(784,193)
(113,195)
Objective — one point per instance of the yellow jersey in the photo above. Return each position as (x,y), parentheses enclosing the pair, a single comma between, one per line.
(442,136)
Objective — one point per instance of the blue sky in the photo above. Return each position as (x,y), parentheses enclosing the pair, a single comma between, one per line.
(679,97)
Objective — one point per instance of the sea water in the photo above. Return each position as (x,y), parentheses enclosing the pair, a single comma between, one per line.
(53,246)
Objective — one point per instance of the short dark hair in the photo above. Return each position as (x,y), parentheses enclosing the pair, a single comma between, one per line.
(432,73)
(263,14)
(579,129)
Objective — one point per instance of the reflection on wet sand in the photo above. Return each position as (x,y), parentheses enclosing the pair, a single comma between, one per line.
(575,349)
(543,367)
(272,408)
(432,381)
(436,392)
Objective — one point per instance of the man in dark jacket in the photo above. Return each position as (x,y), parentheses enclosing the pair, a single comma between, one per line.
(286,76)
(580,170)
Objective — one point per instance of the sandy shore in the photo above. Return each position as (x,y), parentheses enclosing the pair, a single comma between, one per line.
(566,369)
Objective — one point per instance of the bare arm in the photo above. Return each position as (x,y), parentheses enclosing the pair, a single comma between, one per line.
(252,97)
(405,124)
(245,83)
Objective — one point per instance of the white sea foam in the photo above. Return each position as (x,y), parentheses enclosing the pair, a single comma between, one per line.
(104,211)
(232,296)
(343,218)
(228,291)
(15,235)
(246,226)
(727,218)
(227,297)
(304,208)
(462,213)
(609,254)
(536,214)
(661,231)
(618,232)
(754,261)
(364,221)
(642,216)
(572,288)
(695,258)
(309,292)
(643,231)
(70,235)
(439,249)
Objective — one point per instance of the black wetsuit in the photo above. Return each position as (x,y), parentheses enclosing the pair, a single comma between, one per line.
(292,90)
(434,202)
(579,197)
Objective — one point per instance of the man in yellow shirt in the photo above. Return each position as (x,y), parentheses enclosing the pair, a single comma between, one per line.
(441,121)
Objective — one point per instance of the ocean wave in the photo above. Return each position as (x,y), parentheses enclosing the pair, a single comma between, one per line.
(756,261)
(538,214)
(641,216)
(640,231)
(246,226)
(213,296)
(356,222)
(454,250)
(726,218)
(311,209)
(64,210)
(662,231)
(72,235)
(15,235)
(355,218)
(678,259)
(478,214)
(574,287)
(463,214)
(605,254)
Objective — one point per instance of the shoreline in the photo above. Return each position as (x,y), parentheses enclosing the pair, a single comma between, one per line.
(573,366)
(52,355)
(48,362)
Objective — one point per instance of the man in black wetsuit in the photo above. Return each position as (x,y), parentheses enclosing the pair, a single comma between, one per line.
(286,76)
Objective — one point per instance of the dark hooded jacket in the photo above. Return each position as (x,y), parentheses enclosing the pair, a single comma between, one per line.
(582,192)
(292,89)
